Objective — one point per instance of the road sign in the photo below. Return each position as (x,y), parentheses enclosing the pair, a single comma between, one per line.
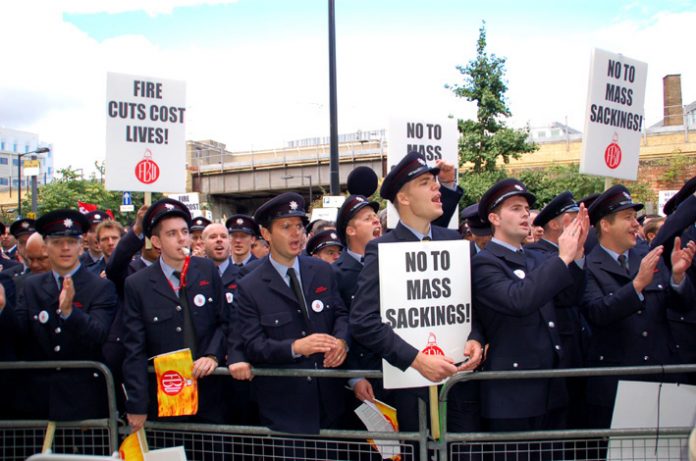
(127,199)
(127,208)
(31,168)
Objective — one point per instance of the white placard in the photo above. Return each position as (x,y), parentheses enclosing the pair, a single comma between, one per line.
(192,202)
(663,197)
(614,116)
(166,454)
(333,201)
(327,214)
(659,405)
(425,296)
(145,133)
(436,139)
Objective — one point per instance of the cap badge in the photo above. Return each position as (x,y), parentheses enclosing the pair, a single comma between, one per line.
(518,187)
(627,195)
(240,221)
(169,206)
(359,199)
(25,224)
(334,236)
(293,205)
(421,161)
(68,222)
(97,216)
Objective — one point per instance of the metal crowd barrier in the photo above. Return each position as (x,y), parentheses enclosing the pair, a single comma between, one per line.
(19,439)
(222,442)
(561,444)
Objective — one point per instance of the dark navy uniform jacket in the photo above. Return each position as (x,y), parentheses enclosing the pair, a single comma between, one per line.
(514,300)
(572,327)
(625,330)
(682,323)
(71,394)
(366,323)
(347,270)
(154,321)
(270,319)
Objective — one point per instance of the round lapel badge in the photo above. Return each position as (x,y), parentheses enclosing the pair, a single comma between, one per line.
(317,305)
(230,297)
(519,273)
(43,316)
(199,300)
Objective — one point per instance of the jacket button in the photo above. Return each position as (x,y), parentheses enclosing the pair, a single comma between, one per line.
(299,311)
(557,347)
(601,357)
(681,318)
(645,333)
(155,319)
(646,358)
(96,375)
(309,378)
(57,348)
(210,300)
(552,325)
(640,312)
(178,308)
(276,322)
(36,317)
(659,285)
(611,294)
(178,329)
(57,330)
(515,365)
(304,333)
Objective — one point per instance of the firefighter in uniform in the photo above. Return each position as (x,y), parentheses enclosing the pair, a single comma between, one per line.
(65,314)
(174,303)
(628,290)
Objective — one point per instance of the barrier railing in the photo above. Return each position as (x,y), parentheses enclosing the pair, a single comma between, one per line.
(205,441)
(575,434)
(110,422)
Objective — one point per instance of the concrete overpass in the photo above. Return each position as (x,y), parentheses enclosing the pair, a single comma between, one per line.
(241,181)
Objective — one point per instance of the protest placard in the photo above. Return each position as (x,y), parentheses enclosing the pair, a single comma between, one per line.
(425,296)
(614,116)
(437,139)
(145,134)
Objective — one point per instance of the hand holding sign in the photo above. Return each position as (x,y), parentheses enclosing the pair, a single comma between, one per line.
(474,351)
(434,367)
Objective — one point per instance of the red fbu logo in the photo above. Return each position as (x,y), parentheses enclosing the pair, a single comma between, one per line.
(172,382)
(612,154)
(147,171)
(432,348)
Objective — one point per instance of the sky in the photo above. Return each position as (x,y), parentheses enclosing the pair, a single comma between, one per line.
(256,71)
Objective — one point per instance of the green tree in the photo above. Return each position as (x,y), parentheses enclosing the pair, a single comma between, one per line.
(546,183)
(487,138)
(68,188)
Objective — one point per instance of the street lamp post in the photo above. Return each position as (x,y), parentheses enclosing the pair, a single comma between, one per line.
(308,176)
(40,150)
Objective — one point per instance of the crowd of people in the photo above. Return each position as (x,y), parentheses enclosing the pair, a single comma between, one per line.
(579,283)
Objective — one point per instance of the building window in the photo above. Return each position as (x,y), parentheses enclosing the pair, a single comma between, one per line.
(14,147)
(15,161)
(4,182)
(3,161)
(2,145)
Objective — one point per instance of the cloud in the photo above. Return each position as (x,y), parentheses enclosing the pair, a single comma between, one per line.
(263,93)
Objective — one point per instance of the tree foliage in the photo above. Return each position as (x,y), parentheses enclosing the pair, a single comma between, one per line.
(545,183)
(487,138)
(68,188)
